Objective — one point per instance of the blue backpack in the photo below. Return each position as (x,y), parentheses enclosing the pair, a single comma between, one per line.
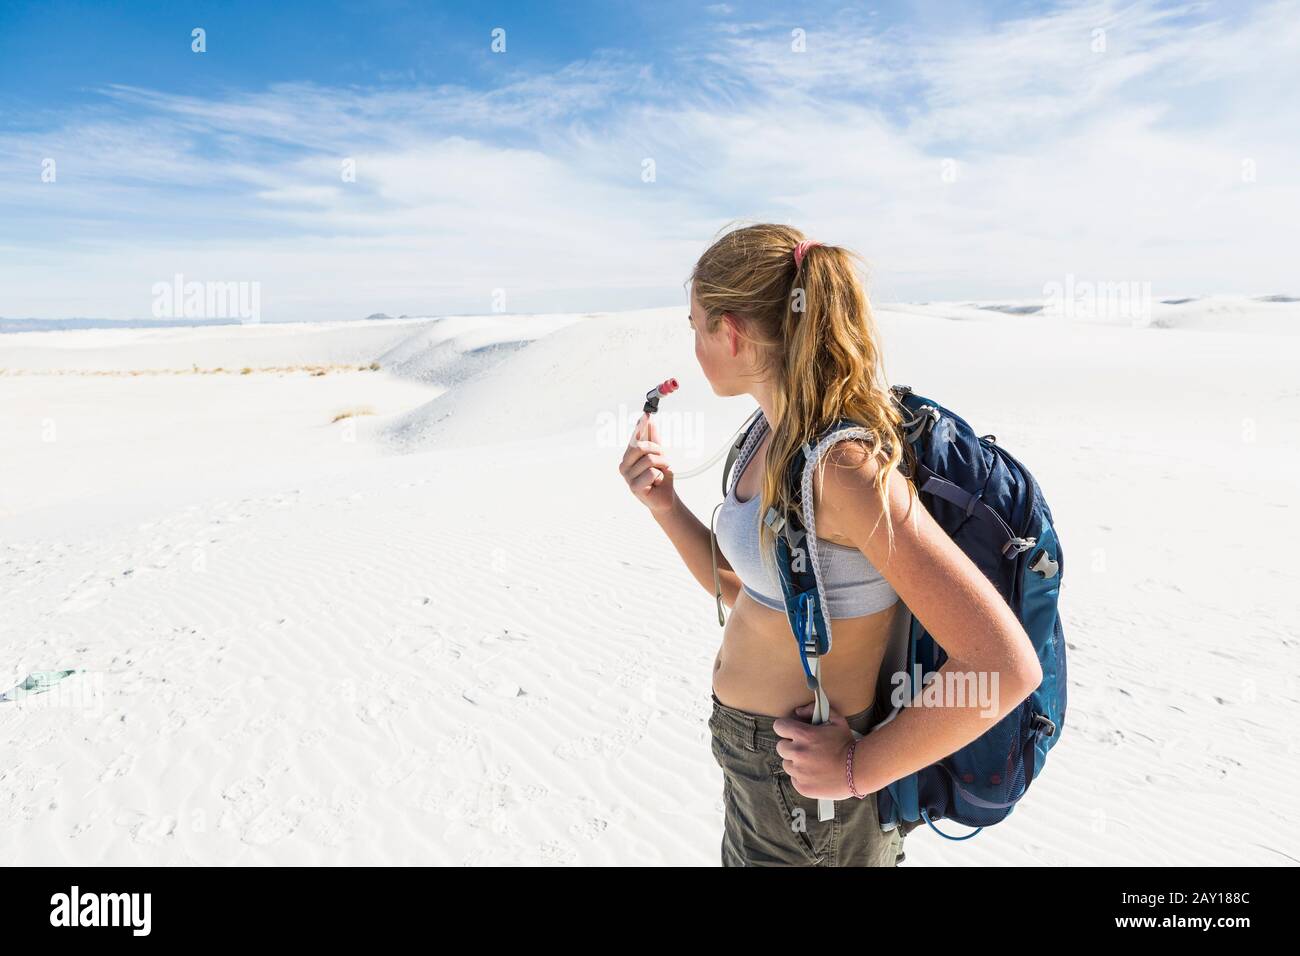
(992,507)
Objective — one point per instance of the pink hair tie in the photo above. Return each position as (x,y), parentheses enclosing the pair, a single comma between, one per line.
(801,249)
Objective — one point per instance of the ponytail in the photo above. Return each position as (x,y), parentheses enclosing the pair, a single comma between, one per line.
(818,343)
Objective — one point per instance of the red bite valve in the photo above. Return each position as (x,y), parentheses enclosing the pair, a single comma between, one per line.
(666,387)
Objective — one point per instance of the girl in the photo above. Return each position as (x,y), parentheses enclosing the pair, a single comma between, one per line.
(786,321)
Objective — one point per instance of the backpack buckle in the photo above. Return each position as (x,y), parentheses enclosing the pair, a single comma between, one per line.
(1016,546)
(809,640)
(774,520)
(1044,565)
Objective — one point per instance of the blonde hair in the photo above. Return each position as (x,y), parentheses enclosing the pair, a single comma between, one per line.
(817,342)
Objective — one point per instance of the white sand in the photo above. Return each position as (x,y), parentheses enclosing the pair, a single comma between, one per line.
(446,633)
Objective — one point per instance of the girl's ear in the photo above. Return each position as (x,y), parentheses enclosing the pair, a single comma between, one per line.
(733,336)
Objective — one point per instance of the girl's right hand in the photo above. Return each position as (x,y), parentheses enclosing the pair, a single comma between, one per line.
(645,468)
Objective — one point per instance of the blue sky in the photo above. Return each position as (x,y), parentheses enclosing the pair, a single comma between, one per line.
(966,150)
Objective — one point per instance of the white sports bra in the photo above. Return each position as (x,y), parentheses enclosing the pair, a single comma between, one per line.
(853,586)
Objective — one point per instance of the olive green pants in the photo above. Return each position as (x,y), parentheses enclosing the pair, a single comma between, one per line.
(767,822)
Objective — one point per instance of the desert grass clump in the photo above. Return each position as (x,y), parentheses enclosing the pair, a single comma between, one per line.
(353,413)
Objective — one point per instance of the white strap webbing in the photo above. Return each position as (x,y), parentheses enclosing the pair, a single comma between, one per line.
(821,713)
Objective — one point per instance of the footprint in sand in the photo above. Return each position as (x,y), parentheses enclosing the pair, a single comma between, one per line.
(120,767)
(590,829)
(601,745)
(553,851)
(83,600)
(269,827)
(143,828)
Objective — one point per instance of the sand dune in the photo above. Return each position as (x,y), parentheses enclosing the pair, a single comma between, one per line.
(212,346)
(1274,314)
(445,633)
(456,348)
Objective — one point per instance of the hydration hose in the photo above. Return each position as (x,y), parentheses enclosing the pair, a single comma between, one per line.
(667,387)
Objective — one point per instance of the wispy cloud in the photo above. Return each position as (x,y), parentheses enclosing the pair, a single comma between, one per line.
(1139,141)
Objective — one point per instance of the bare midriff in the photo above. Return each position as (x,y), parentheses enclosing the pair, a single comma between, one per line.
(758,668)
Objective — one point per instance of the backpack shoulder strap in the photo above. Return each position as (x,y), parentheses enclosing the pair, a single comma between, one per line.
(813,452)
(733,452)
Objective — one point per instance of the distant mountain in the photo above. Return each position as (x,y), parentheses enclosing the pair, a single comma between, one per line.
(55,325)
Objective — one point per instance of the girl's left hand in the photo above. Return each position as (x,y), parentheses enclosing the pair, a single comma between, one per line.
(814,754)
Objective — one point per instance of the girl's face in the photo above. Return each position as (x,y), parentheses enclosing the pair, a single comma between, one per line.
(717,352)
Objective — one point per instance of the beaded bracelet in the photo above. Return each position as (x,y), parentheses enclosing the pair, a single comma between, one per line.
(848,771)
